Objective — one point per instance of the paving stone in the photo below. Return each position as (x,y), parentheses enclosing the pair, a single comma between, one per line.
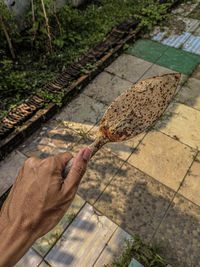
(192,45)
(190,94)
(135,201)
(129,67)
(147,50)
(196,73)
(170,38)
(82,113)
(43,264)
(106,87)
(135,263)
(179,233)
(197,32)
(31,258)
(191,184)
(9,168)
(181,122)
(113,249)
(177,31)
(159,156)
(84,239)
(184,9)
(179,60)
(45,243)
(124,149)
(57,140)
(101,169)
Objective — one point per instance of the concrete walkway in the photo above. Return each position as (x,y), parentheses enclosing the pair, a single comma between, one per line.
(148,185)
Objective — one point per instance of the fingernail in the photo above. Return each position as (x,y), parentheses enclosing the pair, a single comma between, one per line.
(87,154)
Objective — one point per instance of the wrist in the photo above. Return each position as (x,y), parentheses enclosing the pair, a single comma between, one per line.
(15,242)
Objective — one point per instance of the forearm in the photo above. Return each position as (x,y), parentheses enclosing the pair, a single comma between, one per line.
(14,244)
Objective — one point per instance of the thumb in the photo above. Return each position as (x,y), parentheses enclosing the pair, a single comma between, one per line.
(79,167)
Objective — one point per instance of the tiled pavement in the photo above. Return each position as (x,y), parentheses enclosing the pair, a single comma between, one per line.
(148,185)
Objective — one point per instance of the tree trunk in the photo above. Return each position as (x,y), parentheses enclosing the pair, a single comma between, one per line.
(7,37)
(47,25)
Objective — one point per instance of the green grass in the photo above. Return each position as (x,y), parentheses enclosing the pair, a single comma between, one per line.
(81,29)
(146,255)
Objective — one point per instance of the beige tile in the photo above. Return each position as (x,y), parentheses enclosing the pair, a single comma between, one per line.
(135,201)
(113,249)
(57,140)
(9,168)
(164,158)
(82,113)
(124,149)
(129,67)
(83,241)
(190,94)
(196,73)
(191,186)
(101,169)
(106,87)
(179,233)
(181,122)
(45,243)
(43,264)
(31,258)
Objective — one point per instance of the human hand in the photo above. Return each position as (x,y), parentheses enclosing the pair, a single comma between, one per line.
(40,197)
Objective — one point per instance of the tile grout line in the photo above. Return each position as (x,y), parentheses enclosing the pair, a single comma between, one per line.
(111,73)
(43,257)
(176,192)
(106,244)
(192,148)
(123,162)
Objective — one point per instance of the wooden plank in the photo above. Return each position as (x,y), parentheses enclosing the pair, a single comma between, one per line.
(30,259)
(113,249)
(83,241)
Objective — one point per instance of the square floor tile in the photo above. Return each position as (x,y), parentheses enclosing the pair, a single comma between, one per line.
(179,60)
(192,45)
(147,50)
(129,67)
(31,258)
(83,241)
(191,185)
(56,140)
(184,8)
(190,94)
(181,122)
(43,264)
(163,158)
(45,243)
(101,169)
(106,87)
(196,73)
(82,113)
(179,233)
(135,201)
(113,249)
(9,168)
(124,149)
